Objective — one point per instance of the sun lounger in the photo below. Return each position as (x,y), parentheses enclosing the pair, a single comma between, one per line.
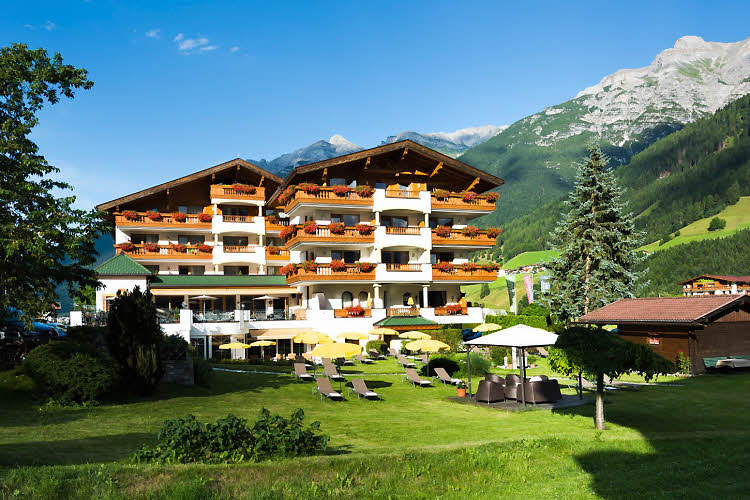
(363,360)
(405,362)
(332,373)
(425,358)
(445,378)
(375,354)
(411,376)
(360,389)
(300,371)
(344,361)
(324,389)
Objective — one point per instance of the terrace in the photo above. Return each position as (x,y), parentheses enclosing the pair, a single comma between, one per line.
(157,219)
(456,202)
(325,196)
(154,251)
(462,237)
(462,273)
(322,234)
(323,272)
(232,192)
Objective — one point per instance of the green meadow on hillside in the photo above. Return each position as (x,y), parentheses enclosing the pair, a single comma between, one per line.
(531,258)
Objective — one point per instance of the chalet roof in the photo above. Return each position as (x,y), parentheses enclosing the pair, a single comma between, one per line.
(721,277)
(689,310)
(237,162)
(121,265)
(216,280)
(490,180)
(403,321)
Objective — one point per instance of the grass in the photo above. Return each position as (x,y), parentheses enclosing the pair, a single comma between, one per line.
(531,258)
(661,442)
(737,217)
(498,297)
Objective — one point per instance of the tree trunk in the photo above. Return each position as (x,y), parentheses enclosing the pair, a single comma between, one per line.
(586,285)
(600,401)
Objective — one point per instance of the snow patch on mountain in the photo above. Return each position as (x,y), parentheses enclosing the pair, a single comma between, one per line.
(450,143)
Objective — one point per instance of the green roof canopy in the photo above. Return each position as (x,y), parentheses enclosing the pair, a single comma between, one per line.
(391,321)
(121,265)
(216,280)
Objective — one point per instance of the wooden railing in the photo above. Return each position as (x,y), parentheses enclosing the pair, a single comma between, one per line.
(228,192)
(343,313)
(324,272)
(402,230)
(239,248)
(167,251)
(403,267)
(442,311)
(402,311)
(276,226)
(237,218)
(327,196)
(164,219)
(400,193)
(457,237)
(324,234)
(281,255)
(457,274)
(456,201)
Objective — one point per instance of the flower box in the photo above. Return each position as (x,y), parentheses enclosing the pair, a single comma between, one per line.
(492,197)
(365,229)
(490,266)
(443,231)
(130,214)
(469,267)
(494,232)
(179,217)
(341,190)
(309,266)
(441,194)
(272,219)
(179,248)
(153,215)
(205,248)
(366,267)
(243,188)
(309,188)
(355,311)
(127,246)
(274,250)
(288,194)
(336,227)
(151,247)
(203,217)
(364,191)
(453,309)
(338,266)
(444,267)
(470,231)
(310,227)
(288,232)
(288,269)
(468,196)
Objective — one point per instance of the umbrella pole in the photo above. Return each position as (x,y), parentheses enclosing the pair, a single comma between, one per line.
(468,367)
(523,376)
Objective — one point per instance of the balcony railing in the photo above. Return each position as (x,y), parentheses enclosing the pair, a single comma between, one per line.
(444,311)
(344,313)
(167,252)
(402,230)
(278,225)
(163,219)
(455,201)
(326,196)
(403,267)
(239,248)
(399,193)
(457,274)
(281,254)
(230,193)
(457,237)
(237,218)
(325,273)
(323,234)
(402,311)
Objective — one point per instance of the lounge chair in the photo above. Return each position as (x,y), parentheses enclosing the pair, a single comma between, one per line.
(324,389)
(375,354)
(300,371)
(542,391)
(405,362)
(411,376)
(445,378)
(344,361)
(360,389)
(392,352)
(425,358)
(332,373)
(363,360)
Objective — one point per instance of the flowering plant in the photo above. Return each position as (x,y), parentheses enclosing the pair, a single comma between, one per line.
(444,267)
(336,227)
(364,191)
(441,194)
(204,217)
(309,265)
(493,197)
(179,248)
(468,196)
(243,188)
(127,246)
(365,229)
(288,269)
(490,266)
(355,311)
(310,227)
(179,217)
(453,309)
(286,196)
(205,248)
(341,190)
(494,232)
(469,267)
(366,267)
(309,187)
(272,219)
(470,231)
(338,266)
(130,214)
(153,215)
(288,232)
(443,231)
(151,247)
(272,250)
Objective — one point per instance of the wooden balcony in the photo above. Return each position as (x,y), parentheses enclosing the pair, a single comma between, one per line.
(163,220)
(227,192)
(457,238)
(246,219)
(402,311)
(167,252)
(325,273)
(443,311)
(403,267)
(276,226)
(343,313)
(459,275)
(239,248)
(324,235)
(456,202)
(402,230)
(281,255)
(325,196)
(401,193)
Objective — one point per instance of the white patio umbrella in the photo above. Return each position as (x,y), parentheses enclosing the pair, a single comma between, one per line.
(521,336)
(204,298)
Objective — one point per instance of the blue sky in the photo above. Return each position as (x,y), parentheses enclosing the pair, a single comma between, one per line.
(181,86)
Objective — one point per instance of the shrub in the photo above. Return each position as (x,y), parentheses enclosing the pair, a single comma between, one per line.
(444,267)
(130,214)
(451,336)
(336,227)
(151,247)
(341,190)
(441,194)
(366,267)
(512,320)
(378,345)
(493,197)
(683,363)
(443,231)
(470,231)
(364,191)
(480,366)
(232,440)
(174,348)
(202,372)
(127,246)
(204,217)
(179,216)
(309,188)
(310,227)
(244,188)
(449,364)
(337,266)
(716,224)
(288,269)
(494,232)
(70,371)
(468,196)
(153,215)
(498,354)
(365,229)
(535,309)
(355,311)
(205,248)
(288,232)
(94,337)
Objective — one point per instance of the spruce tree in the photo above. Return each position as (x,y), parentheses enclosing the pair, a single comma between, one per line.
(597,241)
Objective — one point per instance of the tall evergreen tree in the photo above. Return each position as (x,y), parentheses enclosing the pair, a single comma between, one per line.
(597,241)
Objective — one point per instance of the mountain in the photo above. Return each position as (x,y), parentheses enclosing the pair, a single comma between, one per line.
(105,250)
(450,143)
(317,151)
(624,113)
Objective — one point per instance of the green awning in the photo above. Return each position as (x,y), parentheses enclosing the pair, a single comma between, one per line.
(391,321)
(121,265)
(215,280)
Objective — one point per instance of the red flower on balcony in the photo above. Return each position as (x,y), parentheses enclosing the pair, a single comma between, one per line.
(469,267)
(491,266)
(365,229)
(151,247)
(244,188)
(205,248)
(310,227)
(288,194)
(272,219)
(355,311)
(274,250)
(288,232)
(338,266)
(288,269)
(126,246)
(341,190)
(444,267)
(366,267)
(443,231)
(470,231)
(179,217)
(468,196)
(203,217)
(494,232)
(309,188)
(364,191)
(130,214)
(179,248)
(153,215)
(309,266)
(453,309)
(336,227)
(441,194)
(493,197)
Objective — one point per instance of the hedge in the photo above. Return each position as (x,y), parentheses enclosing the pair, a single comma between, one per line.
(512,320)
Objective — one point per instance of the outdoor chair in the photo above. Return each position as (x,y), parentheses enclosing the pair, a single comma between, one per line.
(405,362)
(360,389)
(300,372)
(492,377)
(324,389)
(363,360)
(512,383)
(425,358)
(332,373)
(445,378)
(542,391)
(489,391)
(411,376)
(375,354)
(344,361)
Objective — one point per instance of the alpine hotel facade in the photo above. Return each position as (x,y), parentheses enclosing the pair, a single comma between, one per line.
(380,237)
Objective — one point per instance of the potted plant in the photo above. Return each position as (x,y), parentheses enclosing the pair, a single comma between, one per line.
(470,231)
(127,246)
(309,188)
(310,227)
(364,191)
(468,196)
(179,217)
(441,194)
(365,229)
(153,215)
(204,217)
(151,247)
(288,232)
(366,267)
(130,214)
(288,269)
(355,311)
(341,190)
(272,219)
(178,247)
(493,197)
(461,389)
(444,267)
(494,232)
(243,188)
(338,266)
(469,267)
(490,266)
(205,248)
(336,227)
(443,231)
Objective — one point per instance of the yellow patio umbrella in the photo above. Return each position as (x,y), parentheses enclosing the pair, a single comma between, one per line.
(336,350)
(486,327)
(427,345)
(353,336)
(234,345)
(383,331)
(414,335)
(312,337)
(262,344)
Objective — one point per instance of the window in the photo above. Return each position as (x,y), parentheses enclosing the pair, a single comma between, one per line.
(238,241)
(407,298)
(380,185)
(348,256)
(236,270)
(190,239)
(441,221)
(234,210)
(192,270)
(153,268)
(395,257)
(145,238)
(349,220)
(346,299)
(436,257)
(190,209)
(363,298)
(394,220)
(338,181)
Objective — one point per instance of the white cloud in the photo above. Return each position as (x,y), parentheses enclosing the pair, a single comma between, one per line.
(190,45)
(234,49)
(153,33)
(49,26)
(208,48)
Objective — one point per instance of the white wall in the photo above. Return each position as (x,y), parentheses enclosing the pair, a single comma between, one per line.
(113,285)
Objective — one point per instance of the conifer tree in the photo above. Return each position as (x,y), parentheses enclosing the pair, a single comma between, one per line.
(597,241)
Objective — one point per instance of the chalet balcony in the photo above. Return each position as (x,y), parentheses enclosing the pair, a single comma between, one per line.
(221,193)
(238,224)
(239,254)
(454,202)
(277,225)
(326,197)
(322,235)
(451,311)
(443,272)
(153,220)
(460,238)
(402,311)
(277,254)
(148,251)
(324,273)
(345,313)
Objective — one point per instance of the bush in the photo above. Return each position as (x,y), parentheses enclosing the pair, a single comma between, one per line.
(512,320)
(202,372)
(174,348)
(498,354)
(480,366)
(378,345)
(450,365)
(535,309)
(232,440)
(451,336)
(94,337)
(71,372)
(716,224)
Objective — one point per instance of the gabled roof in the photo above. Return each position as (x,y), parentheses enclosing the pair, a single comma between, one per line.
(412,146)
(216,280)
(410,321)
(686,310)
(121,265)
(733,279)
(237,162)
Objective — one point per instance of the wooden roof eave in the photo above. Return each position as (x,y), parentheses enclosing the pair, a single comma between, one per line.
(189,178)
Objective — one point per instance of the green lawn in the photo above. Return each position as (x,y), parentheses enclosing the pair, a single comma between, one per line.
(661,442)
(737,217)
(530,258)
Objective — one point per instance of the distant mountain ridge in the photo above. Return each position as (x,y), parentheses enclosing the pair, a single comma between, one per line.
(450,143)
